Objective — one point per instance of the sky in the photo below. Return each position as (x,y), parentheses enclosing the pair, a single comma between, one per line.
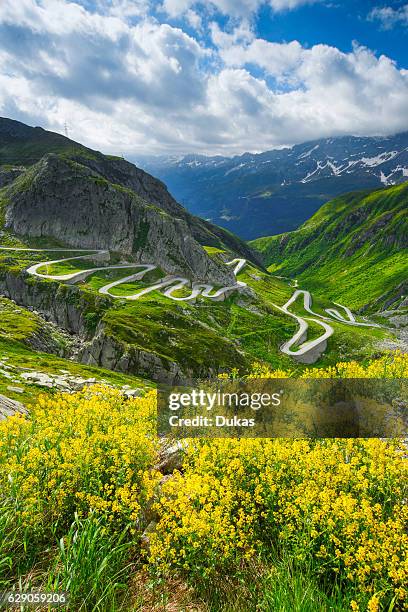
(171,77)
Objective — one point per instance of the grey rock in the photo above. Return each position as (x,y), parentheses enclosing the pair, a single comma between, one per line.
(77,205)
(170,459)
(9,407)
(15,389)
(8,175)
(133,393)
(145,539)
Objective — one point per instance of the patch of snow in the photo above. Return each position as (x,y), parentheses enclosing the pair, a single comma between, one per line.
(307,153)
(234,169)
(310,174)
(378,159)
(337,170)
(384,179)
(401,169)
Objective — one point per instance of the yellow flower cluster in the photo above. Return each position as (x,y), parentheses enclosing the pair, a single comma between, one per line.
(394,364)
(91,450)
(340,503)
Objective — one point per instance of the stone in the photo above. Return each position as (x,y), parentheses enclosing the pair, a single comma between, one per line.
(9,407)
(134,392)
(15,389)
(170,459)
(145,539)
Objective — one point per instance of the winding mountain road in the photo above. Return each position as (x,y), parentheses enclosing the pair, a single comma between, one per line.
(298,347)
(309,351)
(171,283)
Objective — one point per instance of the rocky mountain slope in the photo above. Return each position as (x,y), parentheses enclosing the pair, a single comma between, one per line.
(273,192)
(353,249)
(84,199)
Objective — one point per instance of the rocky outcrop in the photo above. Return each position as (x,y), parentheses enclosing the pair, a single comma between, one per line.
(396,298)
(59,184)
(121,172)
(67,307)
(76,205)
(9,174)
(106,352)
(71,203)
(9,407)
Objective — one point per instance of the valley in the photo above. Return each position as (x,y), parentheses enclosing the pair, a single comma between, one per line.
(258,194)
(147,324)
(203,306)
(108,272)
(354,249)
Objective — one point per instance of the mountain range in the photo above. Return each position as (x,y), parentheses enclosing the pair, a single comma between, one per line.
(269,193)
(159,293)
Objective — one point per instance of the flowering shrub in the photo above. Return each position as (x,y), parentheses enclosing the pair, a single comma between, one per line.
(87,451)
(393,364)
(79,468)
(340,503)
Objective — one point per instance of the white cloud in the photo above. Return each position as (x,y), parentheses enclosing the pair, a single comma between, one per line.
(124,8)
(322,92)
(389,17)
(194,19)
(241,48)
(148,87)
(287,5)
(338,94)
(232,8)
(94,58)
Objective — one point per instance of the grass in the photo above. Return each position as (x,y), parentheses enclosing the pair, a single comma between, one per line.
(26,358)
(184,339)
(76,497)
(92,565)
(235,332)
(351,250)
(17,323)
(101,278)
(74,521)
(281,586)
(30,150)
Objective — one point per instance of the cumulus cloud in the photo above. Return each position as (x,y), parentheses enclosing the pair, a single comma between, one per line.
(286,5)
(65,51)
(330,93)
(232,8)
(241,48)
(389,16)
(135,85)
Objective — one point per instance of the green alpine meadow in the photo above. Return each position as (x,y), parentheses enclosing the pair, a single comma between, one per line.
(352,249)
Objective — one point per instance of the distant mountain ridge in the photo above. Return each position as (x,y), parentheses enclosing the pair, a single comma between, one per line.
(269,193)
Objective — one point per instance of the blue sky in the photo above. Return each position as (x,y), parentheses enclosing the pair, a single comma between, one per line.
(221,76)
(339,24)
